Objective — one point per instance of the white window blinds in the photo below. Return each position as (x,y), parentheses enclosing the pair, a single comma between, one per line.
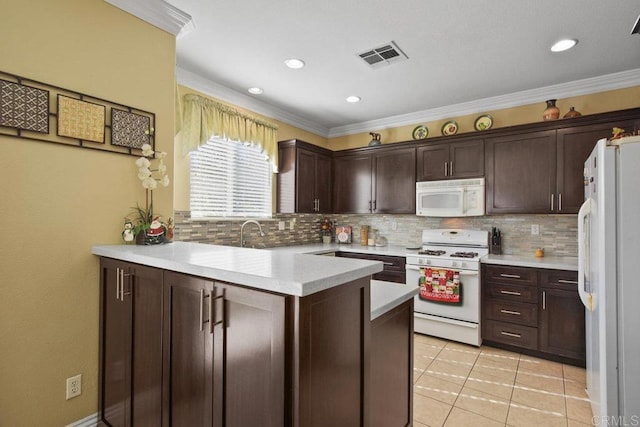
(229,179)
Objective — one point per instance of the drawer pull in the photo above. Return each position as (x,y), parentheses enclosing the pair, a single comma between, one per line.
(568,282)
(510,276)
(389,263)
(510,334)
(510,293)
(515,313)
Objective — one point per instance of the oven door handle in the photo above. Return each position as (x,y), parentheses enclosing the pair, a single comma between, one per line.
(462,272)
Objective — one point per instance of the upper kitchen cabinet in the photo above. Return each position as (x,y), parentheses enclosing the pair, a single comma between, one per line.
(463,159)
(521,172)
(574,146)
(304,179)
(375,181)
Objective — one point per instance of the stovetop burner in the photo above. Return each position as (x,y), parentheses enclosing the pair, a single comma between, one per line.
(464,254)
(432,252)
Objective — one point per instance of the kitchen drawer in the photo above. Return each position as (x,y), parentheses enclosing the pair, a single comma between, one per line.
(391,276)
(511,333)
(513,312)
(508,274)
(391,263)
(560,279)
(512,293)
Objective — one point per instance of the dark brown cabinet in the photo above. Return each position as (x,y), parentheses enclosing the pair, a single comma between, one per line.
(393,266)
(464,159)
(535,310)
(392,367)
(562,315)
(130,389)
(520,173)
(304,178)
(224,354)
(380,181)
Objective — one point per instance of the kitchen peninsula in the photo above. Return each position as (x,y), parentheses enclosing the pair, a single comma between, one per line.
(197,334)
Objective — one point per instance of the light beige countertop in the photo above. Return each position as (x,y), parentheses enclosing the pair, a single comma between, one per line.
(323,248)
(551,262)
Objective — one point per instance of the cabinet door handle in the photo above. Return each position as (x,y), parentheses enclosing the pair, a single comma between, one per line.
(370,206)
(559,202)
(201,310)
(318,202)
(375,203)
(510,276)
(544,300)
(552,201)
(510,334)
(515,313)
(445,169)
(212,310)
(568,282)
(117,283)
(451,168)
(510,293)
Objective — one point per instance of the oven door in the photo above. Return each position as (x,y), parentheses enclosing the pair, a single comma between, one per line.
(468,311)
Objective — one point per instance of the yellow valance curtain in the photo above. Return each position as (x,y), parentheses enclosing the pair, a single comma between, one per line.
(204,118)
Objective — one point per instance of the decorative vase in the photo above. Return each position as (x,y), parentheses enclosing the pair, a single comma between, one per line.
(326,239)
(551,112)
(572,113)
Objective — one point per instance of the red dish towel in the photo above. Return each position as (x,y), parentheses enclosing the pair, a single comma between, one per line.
(440,285)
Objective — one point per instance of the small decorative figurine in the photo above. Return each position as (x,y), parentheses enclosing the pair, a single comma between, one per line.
(127,233)
(375,139)
(170,227)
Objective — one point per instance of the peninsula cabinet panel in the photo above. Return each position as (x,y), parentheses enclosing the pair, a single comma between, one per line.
(451,161)
(521,173)
(224,355)
(130,391)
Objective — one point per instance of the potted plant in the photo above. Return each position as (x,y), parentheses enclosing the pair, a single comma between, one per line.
(326,229)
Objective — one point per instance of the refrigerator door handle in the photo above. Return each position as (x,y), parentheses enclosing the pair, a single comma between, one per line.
(583,253)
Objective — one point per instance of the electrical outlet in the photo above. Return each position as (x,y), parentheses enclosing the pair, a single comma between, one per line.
(74,386)
(292,224)
(394,225)
(281,226)
(535,229)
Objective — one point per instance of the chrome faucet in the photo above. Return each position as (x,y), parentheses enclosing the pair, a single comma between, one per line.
(251,221)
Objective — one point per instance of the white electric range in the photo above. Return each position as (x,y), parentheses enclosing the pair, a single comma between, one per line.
(448,269)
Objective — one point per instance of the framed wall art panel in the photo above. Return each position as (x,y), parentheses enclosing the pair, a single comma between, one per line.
(24,107)
(81,119)
(129,129)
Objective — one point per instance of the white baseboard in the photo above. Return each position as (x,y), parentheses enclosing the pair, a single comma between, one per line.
(90,421)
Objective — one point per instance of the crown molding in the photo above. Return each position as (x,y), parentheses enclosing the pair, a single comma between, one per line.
(564,90)
(223,93)
(158,13)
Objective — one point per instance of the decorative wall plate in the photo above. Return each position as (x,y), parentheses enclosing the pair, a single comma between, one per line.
(483,122)
(450,128)
(420,132)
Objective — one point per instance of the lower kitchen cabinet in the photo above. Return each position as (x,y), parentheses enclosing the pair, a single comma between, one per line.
(533,310)
(130,389)
(393,266)
(224,354)
(392,367)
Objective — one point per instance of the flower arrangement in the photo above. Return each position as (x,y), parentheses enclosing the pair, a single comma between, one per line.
(326,226)
(147,225)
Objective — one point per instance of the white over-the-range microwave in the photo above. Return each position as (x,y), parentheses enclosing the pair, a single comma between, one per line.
(450,198)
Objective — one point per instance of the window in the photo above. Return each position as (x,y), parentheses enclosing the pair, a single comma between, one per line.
(229,179)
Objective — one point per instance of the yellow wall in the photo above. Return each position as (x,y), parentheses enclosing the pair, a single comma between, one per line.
(57,201)
(586,104)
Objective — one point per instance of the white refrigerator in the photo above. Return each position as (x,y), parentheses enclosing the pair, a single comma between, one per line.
(609,279)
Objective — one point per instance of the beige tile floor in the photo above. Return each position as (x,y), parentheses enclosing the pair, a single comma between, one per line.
(457,385)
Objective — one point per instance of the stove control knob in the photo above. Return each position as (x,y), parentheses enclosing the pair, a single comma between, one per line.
(454,263)
(463,264)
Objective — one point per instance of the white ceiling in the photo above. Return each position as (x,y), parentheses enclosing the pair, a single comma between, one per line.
(460,52)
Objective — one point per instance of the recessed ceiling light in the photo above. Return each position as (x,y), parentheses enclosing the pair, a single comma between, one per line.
(353,98)
(255,90)
(294,63)
(562,45)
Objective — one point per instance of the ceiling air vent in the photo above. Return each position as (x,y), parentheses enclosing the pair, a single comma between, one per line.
(382,56)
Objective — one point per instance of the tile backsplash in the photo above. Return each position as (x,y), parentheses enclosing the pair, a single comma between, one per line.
(557,233)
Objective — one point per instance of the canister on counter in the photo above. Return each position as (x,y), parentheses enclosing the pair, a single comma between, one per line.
(364,235)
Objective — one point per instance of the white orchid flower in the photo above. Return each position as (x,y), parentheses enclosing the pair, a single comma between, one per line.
(165,181)
(162,169)
(147,151)
(149,183)
(143,173)
(161,155)
(143,162)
